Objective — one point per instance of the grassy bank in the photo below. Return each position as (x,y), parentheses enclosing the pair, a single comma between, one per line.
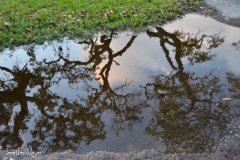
(34,21)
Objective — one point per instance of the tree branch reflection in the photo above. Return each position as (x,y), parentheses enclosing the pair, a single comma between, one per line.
(234,81)
(189,113)
(63,122)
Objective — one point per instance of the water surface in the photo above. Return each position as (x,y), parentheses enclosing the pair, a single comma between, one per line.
(173,88)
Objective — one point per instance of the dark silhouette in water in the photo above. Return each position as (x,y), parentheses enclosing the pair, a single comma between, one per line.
(81,117)
(187,117)
(186,110)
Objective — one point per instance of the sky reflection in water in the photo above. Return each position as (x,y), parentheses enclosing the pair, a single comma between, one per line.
(124,92)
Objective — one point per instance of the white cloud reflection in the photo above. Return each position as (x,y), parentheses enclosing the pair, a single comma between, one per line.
(145,54)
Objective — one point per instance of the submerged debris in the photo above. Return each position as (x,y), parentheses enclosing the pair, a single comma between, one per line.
(161,92)
(226,99)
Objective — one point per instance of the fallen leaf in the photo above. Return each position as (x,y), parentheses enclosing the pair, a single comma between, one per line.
(30,34)
(6,24)
(111,11)
(226,99)
(230,153)
(124,13)
(142,9)
(105,15)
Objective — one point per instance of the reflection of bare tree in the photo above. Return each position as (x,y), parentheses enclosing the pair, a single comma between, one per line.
(10,135)
(234,81)
(59,125)
(66,127)
(125,106)
(187,44)
(237,45)
(187,115)
(64,123)
(12,93)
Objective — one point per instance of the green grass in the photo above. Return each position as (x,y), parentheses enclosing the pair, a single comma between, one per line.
(35,21)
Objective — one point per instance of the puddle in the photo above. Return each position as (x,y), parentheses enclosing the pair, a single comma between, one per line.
(173,89)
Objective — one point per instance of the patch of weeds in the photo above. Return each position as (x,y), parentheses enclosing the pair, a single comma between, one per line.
(31,21)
